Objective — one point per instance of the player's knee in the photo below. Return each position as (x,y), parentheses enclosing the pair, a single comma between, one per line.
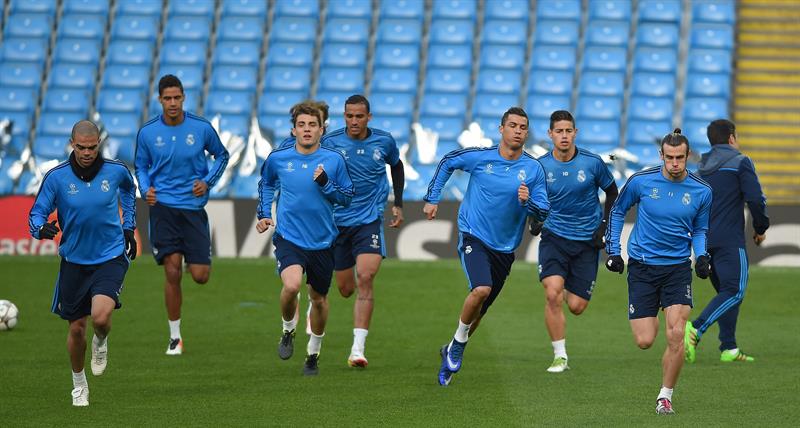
(365,279)
(77,330)
(173,274)
(578,308)
(318,301)
(554,298)
(481,292)
(101,320)
(291,287)
(644,342)
(201,277)
(346,285)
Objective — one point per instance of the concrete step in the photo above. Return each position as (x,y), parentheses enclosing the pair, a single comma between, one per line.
(762,102)
(789,168)
(768,131)
(789,39)
(769,52)
(779,180)
(770,91)
(789,66)
(759,155)
(769,26)
(783,11)
(768,116)
(743,76)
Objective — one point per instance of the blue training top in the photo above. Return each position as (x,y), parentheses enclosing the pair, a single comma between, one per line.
(575,211)
(491,210)
(670,217)
(305,209)
(171,158)
(88,212)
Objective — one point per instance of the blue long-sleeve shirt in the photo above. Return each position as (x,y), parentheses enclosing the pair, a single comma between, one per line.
(671,218)
(88,212)
(491,210)
(305,209)
(171,158)
(734,182)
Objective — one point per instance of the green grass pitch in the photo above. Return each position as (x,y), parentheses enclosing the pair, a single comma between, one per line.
(230,373)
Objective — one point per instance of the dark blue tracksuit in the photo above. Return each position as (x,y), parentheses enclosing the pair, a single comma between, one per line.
(733,181)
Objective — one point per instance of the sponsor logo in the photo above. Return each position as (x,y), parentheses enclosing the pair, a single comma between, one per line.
(550,177)
(375,241)
(654,193)
(591,288)
(104,186)
(290,167)
(304,165)
(159,141)
(468,249)
(73,189)
(689,291)
(190,140)
(581,176)
(631,309)
(687,199)
(489,168)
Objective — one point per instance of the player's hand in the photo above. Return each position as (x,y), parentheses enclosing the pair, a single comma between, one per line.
(523,193)
(150,196)
(397,219)
(320,176)
(758,239)
(48,230)
(597,236)
(200,188)
(535,227)
(130,243)
(702,267)
(430,210)
(263,225)
(615,264)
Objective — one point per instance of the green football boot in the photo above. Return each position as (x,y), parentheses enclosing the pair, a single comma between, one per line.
(735,355)
(690,341)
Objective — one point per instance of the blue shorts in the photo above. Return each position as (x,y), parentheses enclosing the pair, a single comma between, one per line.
(355,240)
(77,284)
(654,286)
(317,264)
(575,261)
(483,266)
(177,230)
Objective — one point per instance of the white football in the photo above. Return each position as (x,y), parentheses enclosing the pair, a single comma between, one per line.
(8,315)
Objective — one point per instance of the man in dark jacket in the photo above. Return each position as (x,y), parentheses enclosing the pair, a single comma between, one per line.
(734,182)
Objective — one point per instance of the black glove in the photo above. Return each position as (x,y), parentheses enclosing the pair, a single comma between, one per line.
(702,267)
(48,230)
(597,236)
(536,227)
(130,243)
(615,264)
(322,179)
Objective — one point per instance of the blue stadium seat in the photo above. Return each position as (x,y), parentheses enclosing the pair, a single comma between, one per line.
(607,58)
(447,80)
(138,27)
(350,9)
(657,34)
(714,36)
(85,51)
(499,81)
(302,8)
(448,128)
(446,55)
(279,125)
(278,102)
(542,105)
(599,107)
(195,28)
(184,52)
(236,124)
(556,82)
(650,108)
(139,7)
(191,75)
(335,101)
(121,147)
(287,78)
(25,74)
(554,57)
(82,25)
(234,77)
(398,126)
(493,105)
(51,146)
(696,132)
(463,9)
(708,85)
(646,154)
(705,108)
(341,79)
(660,11)
(244,8)
(559,9)
(399,31)
(66,75)
(245,187)
(228,102)
(409,9)
(507,10)
(237,52)
(600,132)
(121,124)
(603,32)
(191,102)
(57,123)
(22,49)
(662,60)
(21,123)
(397,55)
(722,11)
(609,83)
(241,28)
(391,103)
(97,7)
(294,29)
(644,132)
(121,100)
(344,55)
(394,80)
(510,32)
(28,25)
(653,84)
(67,99)
(298,54)
(346,30)
(18,99)
(610,9)
(47,7)
(557,32)
(710,60)
(502,56)
(489,125)
(127,76)
(134,52)
(453,31)
(202,8)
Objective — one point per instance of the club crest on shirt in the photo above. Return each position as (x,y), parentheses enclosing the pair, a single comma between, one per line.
(73,189)
(581,176)
(654,193)
(104,186)
(290,167)
(686,199)
(521,175)
(377,155)
(190,140)
(159,141)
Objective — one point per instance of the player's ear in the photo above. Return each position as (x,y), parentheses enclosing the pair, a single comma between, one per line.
(294,134)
